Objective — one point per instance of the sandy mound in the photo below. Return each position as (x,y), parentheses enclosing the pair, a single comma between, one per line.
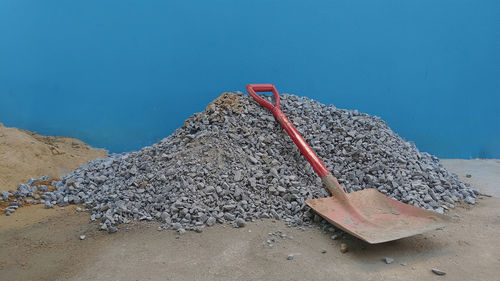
(24,154)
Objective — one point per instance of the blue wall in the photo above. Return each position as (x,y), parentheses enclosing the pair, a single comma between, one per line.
(124,74)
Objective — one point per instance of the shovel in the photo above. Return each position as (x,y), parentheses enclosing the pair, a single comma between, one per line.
(366,214)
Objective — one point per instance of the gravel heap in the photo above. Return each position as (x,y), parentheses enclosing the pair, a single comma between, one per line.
(234,163)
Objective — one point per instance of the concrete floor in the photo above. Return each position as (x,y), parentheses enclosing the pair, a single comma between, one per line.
(48,247)
(485,173)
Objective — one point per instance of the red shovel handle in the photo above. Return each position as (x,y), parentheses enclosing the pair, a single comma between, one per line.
(311,157)
(253,88)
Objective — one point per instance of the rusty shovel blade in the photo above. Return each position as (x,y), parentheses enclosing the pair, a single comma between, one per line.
(376,218)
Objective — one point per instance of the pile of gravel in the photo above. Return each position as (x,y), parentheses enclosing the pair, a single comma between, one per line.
(234,163)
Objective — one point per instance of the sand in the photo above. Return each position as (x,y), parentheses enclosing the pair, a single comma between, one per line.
(25,154)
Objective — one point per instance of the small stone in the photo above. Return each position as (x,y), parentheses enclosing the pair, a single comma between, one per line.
(316,218)
(439,210)
(104,226)
(253,182)
(5,195)
(253,160)
(290,257)
(82,237)
(240,222)
(229,207)
(176,226)
(218,189)
(112,229)
(388,260)
(78,209)
(468,175)
(274,172)
(403,263)
(210,221)
(427,198)
(181,231)
(238,176)
(210,189)
(344,248)
(334,237)
(438,272)
(272,189)
(165,218)
(323,250)
(229,216)
(470,200)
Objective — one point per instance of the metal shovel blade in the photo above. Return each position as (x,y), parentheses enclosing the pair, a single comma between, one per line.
(376,218)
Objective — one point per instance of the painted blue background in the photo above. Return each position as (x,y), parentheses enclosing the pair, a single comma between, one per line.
(124,74)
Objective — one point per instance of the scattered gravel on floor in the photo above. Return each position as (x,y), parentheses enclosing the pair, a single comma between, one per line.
(388,260)
(290,257)
(233,163)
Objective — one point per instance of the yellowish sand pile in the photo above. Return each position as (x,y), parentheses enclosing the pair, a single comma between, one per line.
(25,154)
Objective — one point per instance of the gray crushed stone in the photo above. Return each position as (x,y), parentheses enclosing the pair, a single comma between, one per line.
(240,222)
(234,164)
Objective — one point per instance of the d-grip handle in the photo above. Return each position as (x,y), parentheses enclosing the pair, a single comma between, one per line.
(252,90)
(304,148)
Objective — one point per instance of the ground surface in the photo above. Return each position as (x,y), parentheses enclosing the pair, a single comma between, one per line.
(24,154)
(39,244)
